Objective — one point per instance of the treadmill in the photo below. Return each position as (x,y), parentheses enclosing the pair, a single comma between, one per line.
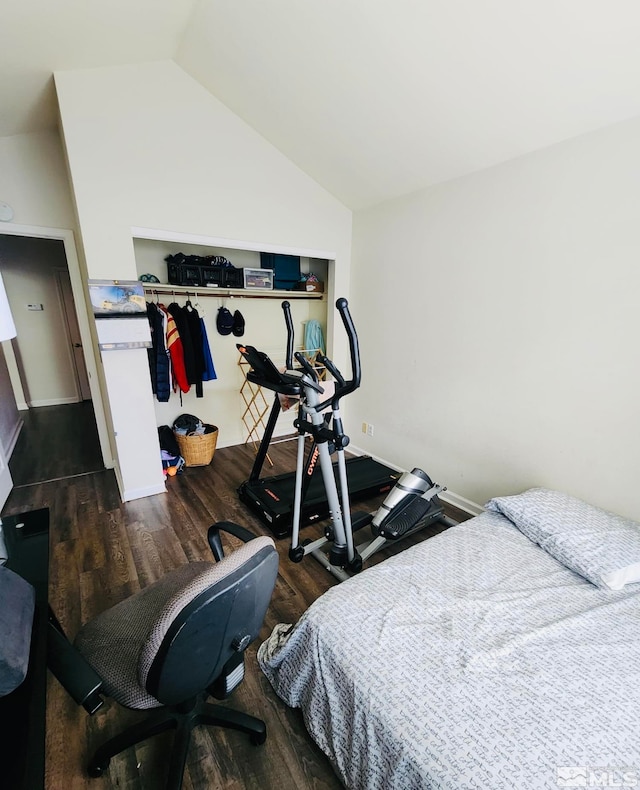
(271,498)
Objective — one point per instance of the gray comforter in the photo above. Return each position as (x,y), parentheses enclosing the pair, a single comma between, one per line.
(473,660)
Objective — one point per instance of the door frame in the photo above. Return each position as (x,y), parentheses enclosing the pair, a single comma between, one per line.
(78,290)
(6,481)
(70,319)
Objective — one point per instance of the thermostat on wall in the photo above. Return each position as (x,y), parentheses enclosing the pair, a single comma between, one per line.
(37,307)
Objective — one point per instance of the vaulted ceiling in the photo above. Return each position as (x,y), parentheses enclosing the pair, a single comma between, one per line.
(372,98)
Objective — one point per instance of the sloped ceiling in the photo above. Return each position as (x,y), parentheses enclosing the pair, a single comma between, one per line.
(372,98)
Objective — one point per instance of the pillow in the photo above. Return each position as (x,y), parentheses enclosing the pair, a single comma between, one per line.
(601,546)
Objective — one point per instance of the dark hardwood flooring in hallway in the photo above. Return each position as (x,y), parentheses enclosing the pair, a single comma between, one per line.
(56,442)
(103,550)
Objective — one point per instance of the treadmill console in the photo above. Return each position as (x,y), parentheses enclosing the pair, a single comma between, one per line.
(265,374)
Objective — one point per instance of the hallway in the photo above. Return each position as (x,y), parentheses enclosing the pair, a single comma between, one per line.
(56,442)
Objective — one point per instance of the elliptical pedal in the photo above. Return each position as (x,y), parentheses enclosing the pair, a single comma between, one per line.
(414,510)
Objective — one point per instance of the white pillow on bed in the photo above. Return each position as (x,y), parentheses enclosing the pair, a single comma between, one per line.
(601,546)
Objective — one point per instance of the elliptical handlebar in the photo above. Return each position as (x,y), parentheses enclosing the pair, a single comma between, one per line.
(332,369)
(306,365)
(286,309)
(345,387)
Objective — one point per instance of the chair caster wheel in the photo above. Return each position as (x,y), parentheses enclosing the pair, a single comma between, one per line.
(96,770)
(258,738)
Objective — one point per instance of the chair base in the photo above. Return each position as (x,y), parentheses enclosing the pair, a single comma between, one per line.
(183,721)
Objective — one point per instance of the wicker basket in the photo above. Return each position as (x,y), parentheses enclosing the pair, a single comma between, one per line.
(198,450)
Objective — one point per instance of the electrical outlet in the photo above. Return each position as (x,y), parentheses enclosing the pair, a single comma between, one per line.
(369,429)
(364,427)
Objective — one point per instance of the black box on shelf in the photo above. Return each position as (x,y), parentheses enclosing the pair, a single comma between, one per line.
(183,274)
(212,275)
(233,278)
(186,272)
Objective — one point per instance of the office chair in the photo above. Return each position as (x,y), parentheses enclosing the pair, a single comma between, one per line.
(171,644)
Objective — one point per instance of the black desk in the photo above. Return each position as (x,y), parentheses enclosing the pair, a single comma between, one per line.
(22,713)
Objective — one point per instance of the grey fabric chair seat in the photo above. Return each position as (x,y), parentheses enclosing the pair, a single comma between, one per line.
(180,639)
(114,641)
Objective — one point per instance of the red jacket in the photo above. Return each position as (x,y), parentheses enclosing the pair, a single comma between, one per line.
(174,345)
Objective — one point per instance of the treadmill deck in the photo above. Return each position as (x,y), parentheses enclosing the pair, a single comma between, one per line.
(271,498)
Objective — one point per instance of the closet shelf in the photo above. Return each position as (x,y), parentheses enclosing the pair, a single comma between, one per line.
(240,293)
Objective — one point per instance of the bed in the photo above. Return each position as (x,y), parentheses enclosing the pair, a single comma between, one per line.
(502,653)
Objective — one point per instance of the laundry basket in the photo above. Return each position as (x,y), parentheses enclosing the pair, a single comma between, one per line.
(198,449)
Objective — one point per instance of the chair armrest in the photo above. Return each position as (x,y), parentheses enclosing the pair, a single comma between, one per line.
(74,674)
(213,536)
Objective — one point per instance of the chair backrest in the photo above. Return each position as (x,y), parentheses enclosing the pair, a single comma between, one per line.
(209,622)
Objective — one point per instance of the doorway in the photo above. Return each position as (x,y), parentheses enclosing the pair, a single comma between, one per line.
(38,287)
(52,364)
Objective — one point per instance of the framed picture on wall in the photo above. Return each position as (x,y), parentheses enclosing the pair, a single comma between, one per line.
(117,298)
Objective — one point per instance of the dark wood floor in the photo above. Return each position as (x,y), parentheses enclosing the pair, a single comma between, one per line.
(102,551)
(56,442)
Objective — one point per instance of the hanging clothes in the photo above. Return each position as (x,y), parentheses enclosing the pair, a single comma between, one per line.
(313,338)
(209,369)
(176,352)
(195,331)
(179,316)
(158,357)
(192,347)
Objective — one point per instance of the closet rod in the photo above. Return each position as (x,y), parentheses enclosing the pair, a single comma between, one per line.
(234,293)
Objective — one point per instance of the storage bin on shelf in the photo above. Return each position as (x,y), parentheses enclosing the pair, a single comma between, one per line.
(311,286)
(198,449)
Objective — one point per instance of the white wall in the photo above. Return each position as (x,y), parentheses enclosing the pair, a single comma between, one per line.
(148,147)
(499,324)
(33,180)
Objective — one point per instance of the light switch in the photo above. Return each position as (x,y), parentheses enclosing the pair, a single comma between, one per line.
(35,307)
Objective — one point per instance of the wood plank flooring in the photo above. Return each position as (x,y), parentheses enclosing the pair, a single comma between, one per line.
(56,442)
(102,551)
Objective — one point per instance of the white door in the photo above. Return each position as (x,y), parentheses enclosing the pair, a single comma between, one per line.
(73,334)
(6,483)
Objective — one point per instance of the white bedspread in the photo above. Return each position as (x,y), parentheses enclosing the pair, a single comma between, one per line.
(473,660)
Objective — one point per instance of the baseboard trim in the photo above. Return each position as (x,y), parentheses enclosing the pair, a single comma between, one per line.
(140,493)
(448,496)
(34,404)
(460,502)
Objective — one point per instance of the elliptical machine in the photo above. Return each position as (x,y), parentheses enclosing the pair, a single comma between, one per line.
(411,505)
(271,497)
